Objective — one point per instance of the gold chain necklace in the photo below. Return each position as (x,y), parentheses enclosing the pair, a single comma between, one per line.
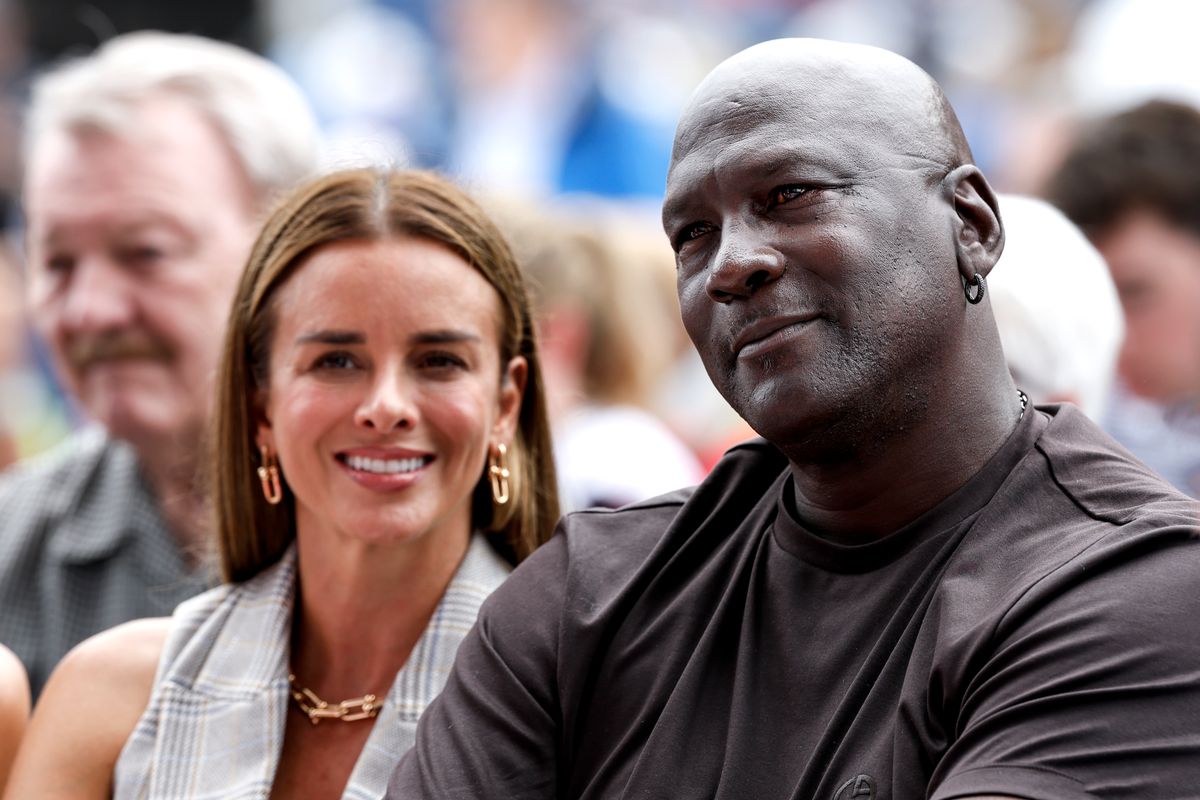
(317,709)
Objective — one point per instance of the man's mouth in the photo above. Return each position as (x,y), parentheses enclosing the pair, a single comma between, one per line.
(765,333)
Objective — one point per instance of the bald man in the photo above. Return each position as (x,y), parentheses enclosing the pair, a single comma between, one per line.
(916,585)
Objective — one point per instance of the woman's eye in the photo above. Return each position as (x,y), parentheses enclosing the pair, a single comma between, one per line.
(335,361)
(441,361)
(785,194)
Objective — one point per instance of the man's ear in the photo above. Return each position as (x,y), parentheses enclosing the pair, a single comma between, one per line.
(978,232)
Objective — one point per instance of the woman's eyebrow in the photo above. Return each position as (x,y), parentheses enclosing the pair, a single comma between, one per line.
(443,337)
(331,337)
(356,337)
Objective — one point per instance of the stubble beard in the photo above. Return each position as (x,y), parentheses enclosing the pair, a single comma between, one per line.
(848,407)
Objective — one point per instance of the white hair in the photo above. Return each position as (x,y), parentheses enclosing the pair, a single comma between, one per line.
(259,111)
(1056,307)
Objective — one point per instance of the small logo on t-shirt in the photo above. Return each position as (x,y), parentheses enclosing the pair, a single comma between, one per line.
(860,787)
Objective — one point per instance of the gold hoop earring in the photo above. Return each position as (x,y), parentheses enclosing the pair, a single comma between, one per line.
(499,474)
(268,476)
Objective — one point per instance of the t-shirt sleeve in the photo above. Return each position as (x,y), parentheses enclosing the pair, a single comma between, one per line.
(1093,687)
(493,731)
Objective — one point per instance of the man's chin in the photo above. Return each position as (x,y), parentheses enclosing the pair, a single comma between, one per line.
(144,422)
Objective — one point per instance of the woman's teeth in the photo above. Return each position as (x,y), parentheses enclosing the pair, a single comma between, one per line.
(384,466)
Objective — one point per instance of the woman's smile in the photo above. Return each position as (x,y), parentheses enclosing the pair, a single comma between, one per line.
(378,469)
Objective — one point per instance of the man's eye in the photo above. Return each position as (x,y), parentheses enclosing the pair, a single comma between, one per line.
(59,263)
(690,234)
(140,255)
(785,194)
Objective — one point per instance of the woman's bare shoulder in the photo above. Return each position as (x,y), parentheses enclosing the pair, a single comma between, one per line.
(14,709)
(89,708)
(123,659)
(14,684)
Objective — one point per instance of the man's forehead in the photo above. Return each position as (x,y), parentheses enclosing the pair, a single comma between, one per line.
(838,65)
(171,160)
(850,95)
(791,121)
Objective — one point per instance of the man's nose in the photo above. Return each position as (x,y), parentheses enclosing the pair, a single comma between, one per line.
(388,404)
(744,263)
(98,297)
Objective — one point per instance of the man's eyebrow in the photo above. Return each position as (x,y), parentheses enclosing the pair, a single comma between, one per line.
(776,164)
(920,160)
(673,208)
(761,165)
(331,337)
(134,225)
(680,203)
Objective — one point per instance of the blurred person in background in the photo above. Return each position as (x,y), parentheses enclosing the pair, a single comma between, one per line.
(149,166)
(12,331)
(530,112)
(607,335)
(382,379)
(34,416)
(535,97)
(58,28)
(1056,308)
(14,710)
(1131,181)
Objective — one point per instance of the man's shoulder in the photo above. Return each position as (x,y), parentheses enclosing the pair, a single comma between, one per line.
(607,551)
(1073,513)
(83,482)
(631,521)
(47,480)
(1106,481)
(742,477)
(601,562)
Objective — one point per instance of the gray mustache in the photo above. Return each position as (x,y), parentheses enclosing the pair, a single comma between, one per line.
(84,352)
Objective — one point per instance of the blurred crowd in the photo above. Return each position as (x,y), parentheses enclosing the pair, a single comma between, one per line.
(566,109)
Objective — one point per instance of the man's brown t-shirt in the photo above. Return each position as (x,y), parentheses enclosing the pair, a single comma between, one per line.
(1037,634)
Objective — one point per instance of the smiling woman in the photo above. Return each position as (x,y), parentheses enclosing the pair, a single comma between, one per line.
(385,381)
(381,458)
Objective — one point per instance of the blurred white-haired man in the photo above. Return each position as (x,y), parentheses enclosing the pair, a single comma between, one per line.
(148,167)
(1056,307)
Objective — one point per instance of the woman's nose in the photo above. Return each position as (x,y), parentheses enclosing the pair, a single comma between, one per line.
(388,405)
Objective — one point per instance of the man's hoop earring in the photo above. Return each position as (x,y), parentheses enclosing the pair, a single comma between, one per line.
(979,285)
(499,474)
(268,476)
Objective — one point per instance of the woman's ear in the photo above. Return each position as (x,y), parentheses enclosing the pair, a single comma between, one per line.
(512,389)
(978,231)
(264,434)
